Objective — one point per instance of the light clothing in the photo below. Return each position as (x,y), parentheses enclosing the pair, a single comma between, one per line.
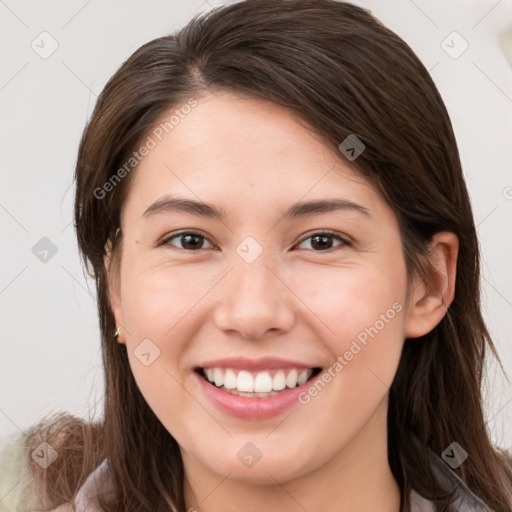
(16,494)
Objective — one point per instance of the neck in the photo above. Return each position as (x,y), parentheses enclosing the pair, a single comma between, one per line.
(357,477)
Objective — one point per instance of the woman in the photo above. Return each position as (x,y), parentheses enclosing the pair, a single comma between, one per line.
(272,205)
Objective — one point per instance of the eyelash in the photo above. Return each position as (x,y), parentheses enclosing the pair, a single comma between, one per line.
(344,241)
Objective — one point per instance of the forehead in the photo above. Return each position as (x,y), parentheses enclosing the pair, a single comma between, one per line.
(242,151)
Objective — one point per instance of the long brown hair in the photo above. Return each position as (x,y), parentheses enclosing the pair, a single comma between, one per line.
(343,73)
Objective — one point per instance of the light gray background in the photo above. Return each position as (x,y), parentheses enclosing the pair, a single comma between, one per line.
(50,358)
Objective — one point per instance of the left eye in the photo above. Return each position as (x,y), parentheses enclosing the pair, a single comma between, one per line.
(190,240)
(321,240)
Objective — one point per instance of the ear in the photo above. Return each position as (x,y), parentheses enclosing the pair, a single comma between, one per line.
(430,298)
(113,281)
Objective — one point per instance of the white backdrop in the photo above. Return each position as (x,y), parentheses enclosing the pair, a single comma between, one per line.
(57,56)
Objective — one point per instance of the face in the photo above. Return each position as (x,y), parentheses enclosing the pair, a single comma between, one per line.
(262,296)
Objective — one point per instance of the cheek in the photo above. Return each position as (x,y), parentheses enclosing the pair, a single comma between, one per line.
(348,300)
(158,308)
(156,298)
(360,311)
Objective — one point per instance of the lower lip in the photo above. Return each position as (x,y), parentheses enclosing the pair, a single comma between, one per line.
(254,409)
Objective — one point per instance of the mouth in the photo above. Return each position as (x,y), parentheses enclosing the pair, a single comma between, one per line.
(261,384)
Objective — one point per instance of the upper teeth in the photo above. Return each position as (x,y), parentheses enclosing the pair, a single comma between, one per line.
(260,382)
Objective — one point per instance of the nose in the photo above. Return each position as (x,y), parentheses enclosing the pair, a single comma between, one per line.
(254,302)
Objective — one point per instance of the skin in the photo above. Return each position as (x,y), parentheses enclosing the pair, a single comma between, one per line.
(296,301)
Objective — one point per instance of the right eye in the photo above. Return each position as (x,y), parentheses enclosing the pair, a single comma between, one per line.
(190,239)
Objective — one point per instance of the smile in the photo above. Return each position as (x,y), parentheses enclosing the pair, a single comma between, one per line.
(260,384)
(254,391)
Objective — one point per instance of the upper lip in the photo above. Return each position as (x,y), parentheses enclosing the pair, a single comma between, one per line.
(264,363)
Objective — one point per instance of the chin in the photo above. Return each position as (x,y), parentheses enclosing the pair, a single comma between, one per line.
(265,471)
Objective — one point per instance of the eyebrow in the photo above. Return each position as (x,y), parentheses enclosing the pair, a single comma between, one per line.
(298,210)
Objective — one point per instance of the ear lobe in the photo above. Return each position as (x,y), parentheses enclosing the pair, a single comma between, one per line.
(432,297)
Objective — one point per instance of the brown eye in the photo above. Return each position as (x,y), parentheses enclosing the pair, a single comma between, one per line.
(190,241)
(323,241)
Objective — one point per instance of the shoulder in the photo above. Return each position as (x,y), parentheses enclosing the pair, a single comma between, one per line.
(16,479)
(20,491)
(98,483)
(420,504)
(465,499)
